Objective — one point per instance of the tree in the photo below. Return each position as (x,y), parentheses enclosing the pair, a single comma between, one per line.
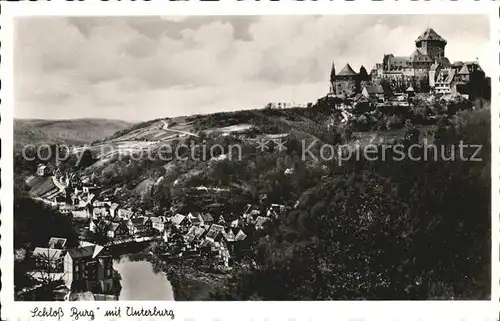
(30,215)
(363,75)
(411,134)
(86,159)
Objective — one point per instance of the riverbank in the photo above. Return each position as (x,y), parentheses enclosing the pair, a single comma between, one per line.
(196,285)
(188,281)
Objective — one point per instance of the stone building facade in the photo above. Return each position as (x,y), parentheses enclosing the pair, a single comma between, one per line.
(429,49)
(347,82)
(426,69)
(429,70)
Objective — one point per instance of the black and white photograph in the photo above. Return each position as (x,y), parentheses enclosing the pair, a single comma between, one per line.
(252,158)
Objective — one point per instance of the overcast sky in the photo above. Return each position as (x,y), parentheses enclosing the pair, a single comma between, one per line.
(138,68)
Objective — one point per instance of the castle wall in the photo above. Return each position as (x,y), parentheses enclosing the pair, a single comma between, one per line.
(344,87)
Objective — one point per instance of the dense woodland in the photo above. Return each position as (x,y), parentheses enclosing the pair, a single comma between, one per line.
(383,230)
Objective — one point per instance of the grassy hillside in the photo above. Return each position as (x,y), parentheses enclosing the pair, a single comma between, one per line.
(73,131)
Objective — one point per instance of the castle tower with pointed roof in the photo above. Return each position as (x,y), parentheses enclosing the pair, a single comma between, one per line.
(347,72)
(345,82)
(431,44)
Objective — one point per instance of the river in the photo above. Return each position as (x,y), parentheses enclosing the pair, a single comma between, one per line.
(139,281)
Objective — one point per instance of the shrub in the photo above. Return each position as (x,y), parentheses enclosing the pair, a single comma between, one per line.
(394,122)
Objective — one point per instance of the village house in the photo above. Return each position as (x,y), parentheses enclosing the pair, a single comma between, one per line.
(125,214)
(96,202)
(215,233)
(148,213)
(91,198)
(113,209)
(88,268)
(240,235)
(49,260)
(116,230)
(43,170)
(90,189)
(193,237)
(195,219)
(158,223)
(234,236)
(217,249)
(248,209)
(108,228)
(235,223)
(139,226)
(251,216)
(274,210)
(181,222)
(97,212)
(207,219)
(166,235)
(65,208)
(259,222)
(373,91)
(229,234)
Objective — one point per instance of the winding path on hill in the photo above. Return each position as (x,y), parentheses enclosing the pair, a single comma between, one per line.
(165,127)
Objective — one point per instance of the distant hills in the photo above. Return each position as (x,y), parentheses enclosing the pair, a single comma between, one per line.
(71,131)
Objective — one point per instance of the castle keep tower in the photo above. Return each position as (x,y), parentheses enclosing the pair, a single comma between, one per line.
(345,82)
(431,44)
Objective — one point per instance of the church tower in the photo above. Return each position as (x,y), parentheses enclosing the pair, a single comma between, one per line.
(431,44)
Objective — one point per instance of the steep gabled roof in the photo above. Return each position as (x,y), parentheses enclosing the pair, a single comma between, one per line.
(125,213)
(464,70)
(443,61)
(215,230)
(428,35)
(347,71)
(177,219)
(207,217)
(86,251)
(114,226)
(240,236)
(57,242)
(259,222)
(417,55)
(156,220)
(48,253)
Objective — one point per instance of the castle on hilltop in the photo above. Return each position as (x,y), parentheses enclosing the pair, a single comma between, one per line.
(426,69)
